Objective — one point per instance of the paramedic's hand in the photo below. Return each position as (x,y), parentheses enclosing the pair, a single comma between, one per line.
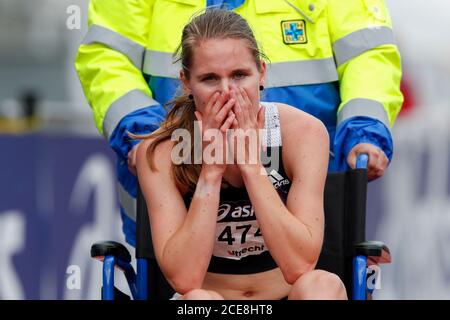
(131,160)
(378,162)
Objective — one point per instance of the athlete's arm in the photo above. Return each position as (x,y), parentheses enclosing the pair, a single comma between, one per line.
(294,232)
(183,240)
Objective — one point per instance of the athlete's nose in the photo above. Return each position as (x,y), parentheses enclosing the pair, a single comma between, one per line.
(225,86)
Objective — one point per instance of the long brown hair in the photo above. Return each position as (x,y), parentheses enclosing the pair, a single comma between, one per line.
(212,24)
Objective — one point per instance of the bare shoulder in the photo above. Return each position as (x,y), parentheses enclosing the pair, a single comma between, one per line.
(306,143)
(161,156)
(299,125)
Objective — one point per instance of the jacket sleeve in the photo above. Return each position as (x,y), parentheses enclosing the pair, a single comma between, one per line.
(109,64)
(369,70)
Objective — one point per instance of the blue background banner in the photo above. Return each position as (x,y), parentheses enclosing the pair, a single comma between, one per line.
(58,196)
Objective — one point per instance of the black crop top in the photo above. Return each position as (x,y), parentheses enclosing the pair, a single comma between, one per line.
(239,247)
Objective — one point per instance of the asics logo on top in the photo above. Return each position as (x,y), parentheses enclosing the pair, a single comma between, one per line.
(235,212)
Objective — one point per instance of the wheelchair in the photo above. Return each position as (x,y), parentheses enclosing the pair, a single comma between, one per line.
(345,250)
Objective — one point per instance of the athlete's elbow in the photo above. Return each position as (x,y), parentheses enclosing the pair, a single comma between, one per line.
(183,283)
(292,274)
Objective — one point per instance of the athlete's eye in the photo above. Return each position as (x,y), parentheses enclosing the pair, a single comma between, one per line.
(209,78)
(239,75)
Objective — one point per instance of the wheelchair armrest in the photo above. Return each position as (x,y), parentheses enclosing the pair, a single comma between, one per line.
(375,251)
(110,248)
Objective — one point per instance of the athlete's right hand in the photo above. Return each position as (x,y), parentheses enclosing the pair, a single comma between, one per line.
(216,119)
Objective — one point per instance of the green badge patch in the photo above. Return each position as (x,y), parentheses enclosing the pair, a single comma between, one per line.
(294,31)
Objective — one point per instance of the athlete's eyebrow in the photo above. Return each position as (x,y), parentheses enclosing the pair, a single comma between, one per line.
(205,75)
(242,70)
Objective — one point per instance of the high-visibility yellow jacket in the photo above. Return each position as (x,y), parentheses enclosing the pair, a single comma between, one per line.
(335,59)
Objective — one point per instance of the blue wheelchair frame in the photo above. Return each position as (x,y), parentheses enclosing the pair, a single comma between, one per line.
(360,261)
(367,252)
(137,282)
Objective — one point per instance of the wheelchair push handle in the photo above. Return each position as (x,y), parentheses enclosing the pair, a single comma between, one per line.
(362,160)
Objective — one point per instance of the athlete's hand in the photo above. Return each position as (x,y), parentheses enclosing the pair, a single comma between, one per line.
(247,130)
(214,122)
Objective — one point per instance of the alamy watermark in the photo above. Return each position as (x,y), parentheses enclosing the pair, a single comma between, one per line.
(235,146)
(73,281)
(73,21)
(373,280)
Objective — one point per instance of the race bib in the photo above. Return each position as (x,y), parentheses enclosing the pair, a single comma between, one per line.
(237,233)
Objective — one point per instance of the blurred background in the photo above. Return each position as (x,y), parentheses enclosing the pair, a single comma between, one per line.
(57,177)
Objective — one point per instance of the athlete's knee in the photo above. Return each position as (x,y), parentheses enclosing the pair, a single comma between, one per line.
(318,284)
(200,294)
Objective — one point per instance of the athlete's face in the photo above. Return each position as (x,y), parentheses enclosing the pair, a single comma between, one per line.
(219,65)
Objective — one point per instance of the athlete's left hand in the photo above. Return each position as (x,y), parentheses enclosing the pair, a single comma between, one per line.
(247,129)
